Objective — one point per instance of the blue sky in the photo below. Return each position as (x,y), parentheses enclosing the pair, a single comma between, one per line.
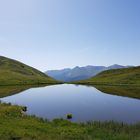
(54,34)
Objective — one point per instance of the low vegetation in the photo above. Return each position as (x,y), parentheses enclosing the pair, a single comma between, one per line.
(69,116)
(16,125)
(13,72)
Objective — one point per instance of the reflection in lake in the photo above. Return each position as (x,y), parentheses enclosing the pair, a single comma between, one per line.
(85,103)
(11,90)
(127,91)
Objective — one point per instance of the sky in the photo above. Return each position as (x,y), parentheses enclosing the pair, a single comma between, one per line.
(56,34)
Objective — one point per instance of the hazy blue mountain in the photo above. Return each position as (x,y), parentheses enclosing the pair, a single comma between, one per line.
(80,73)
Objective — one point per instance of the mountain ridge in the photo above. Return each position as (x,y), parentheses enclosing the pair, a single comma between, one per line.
(80,73)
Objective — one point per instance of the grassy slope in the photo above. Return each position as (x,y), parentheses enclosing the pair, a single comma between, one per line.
(15,73)
(15,125)
(127,76)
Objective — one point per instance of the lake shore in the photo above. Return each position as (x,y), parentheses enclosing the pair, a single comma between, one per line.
(16,125)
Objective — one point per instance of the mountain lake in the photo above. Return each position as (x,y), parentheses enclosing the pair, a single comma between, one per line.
(85,103)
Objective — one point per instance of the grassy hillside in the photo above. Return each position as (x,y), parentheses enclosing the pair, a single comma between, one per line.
(126,76)
(13,72)
(14,125)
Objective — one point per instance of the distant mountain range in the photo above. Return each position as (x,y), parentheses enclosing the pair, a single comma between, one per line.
(80,73)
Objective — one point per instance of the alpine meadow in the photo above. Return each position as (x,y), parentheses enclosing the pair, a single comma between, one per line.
(69,70)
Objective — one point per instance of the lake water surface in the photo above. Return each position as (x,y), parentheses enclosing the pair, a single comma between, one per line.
(84,102)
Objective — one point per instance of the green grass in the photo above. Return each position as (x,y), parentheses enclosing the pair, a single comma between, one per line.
(15,125)
(127,76)
(13,72)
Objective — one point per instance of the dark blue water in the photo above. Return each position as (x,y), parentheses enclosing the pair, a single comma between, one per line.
(85,103)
